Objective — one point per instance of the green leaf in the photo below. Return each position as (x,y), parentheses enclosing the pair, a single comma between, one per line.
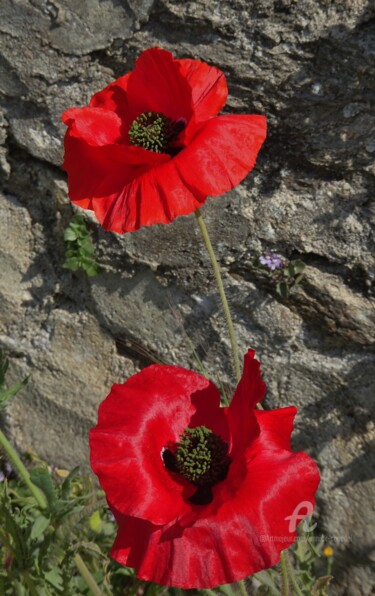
(290,271)
(7,394)
(70,235)
(54,577)
(65,487)
(298,266)
(282,289)
(72,263)
(264,578)
(39,526)
(91,547)
(42,479)
(92,269)
(96,522)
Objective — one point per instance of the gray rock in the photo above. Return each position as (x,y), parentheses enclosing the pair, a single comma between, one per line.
(309,66)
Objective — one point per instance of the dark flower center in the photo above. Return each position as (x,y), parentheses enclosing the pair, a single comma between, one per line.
(202,458)
(155,132)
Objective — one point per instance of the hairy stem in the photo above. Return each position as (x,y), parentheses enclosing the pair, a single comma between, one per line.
(296,589)
(17,464)
(219,281)
(285,591)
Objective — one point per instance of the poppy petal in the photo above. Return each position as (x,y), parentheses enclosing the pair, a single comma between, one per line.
(157,85)
(208,87)
(276,428)
(98,175)
(241,415)
(113,97)
(94,125)
(222,153)
(245,535)
(136,422)
(158,196)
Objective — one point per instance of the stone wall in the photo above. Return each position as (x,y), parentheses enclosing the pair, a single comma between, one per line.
(309,66)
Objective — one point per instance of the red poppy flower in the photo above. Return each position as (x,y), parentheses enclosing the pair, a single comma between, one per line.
(203,495)
(150,146)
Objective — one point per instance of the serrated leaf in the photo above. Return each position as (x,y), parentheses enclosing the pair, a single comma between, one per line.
(39,526)
(264,578)
(42,479)
(65,487)
(91,547)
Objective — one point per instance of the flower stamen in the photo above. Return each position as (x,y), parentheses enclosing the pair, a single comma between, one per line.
(201,457)
(154,131)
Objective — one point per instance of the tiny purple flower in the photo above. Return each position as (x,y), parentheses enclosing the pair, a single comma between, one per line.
(272,261)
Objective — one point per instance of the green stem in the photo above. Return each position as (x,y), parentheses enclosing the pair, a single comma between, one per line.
(242,587)
(284,574)
(86,575)
(219,281)
(30,585)
(16,462)
(290,571)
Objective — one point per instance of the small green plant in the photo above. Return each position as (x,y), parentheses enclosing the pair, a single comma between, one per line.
(80,248)
(283,273)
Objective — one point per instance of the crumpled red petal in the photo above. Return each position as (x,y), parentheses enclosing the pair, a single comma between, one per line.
(157,85)
(136,422)
(94,125)
(241,415)
(222,153)
(246,534)
(158,196)
(209,93)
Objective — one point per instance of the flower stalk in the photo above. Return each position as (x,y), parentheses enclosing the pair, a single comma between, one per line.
(86,575)
(220,285)
(285,591)
(288,575)
(17,464)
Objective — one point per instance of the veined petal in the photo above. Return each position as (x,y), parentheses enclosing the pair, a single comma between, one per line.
(102,172)
(222,153)
(157,196)
(157,85)
(208,87)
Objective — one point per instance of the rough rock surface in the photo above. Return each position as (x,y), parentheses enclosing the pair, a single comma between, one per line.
(309,66)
